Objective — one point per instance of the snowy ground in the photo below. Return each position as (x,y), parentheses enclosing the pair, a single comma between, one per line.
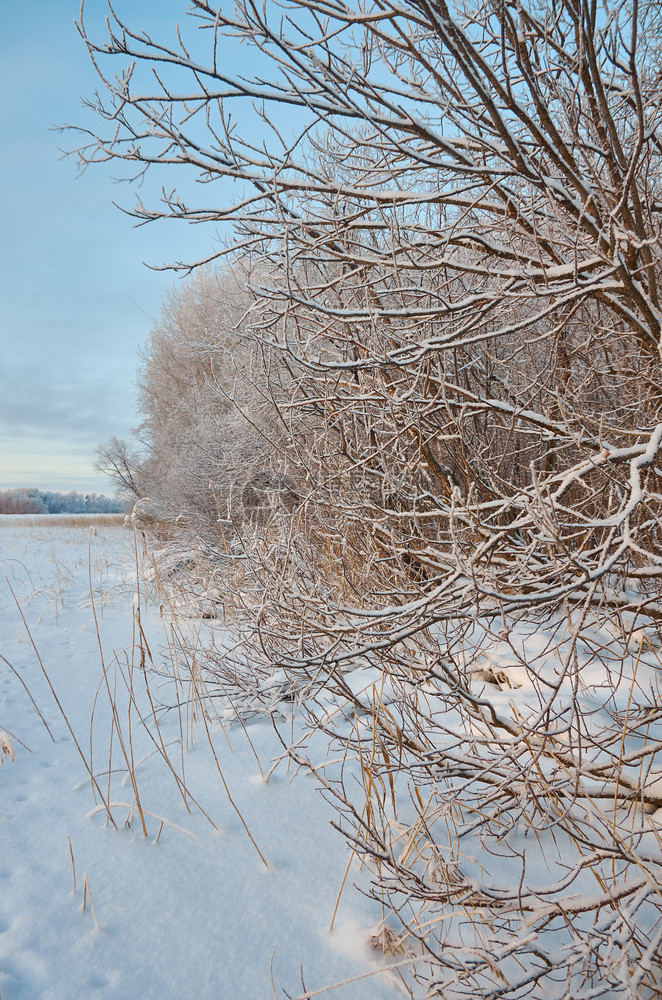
(87,910)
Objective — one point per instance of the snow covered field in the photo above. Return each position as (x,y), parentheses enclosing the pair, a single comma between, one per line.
(88,909)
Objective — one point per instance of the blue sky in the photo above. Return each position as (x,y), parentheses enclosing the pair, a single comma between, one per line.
(75,296)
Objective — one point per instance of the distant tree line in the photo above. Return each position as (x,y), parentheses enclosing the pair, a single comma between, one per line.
(32,501)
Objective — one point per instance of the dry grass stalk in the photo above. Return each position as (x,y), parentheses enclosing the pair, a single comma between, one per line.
(27,691)
(126,745)
(73,863)
(88,896)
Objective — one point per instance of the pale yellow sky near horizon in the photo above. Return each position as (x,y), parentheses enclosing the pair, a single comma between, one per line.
(55,464)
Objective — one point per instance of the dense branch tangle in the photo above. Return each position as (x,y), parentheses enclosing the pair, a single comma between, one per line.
(480,180)
(453,211)
(437,125)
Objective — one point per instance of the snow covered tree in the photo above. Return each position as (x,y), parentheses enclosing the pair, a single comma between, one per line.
(203,431)
(452,213)
(21,501)
(118,460)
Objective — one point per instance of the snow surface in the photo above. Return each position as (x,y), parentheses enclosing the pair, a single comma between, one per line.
(188,910)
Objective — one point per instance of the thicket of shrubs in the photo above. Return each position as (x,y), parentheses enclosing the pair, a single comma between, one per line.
(417,419)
